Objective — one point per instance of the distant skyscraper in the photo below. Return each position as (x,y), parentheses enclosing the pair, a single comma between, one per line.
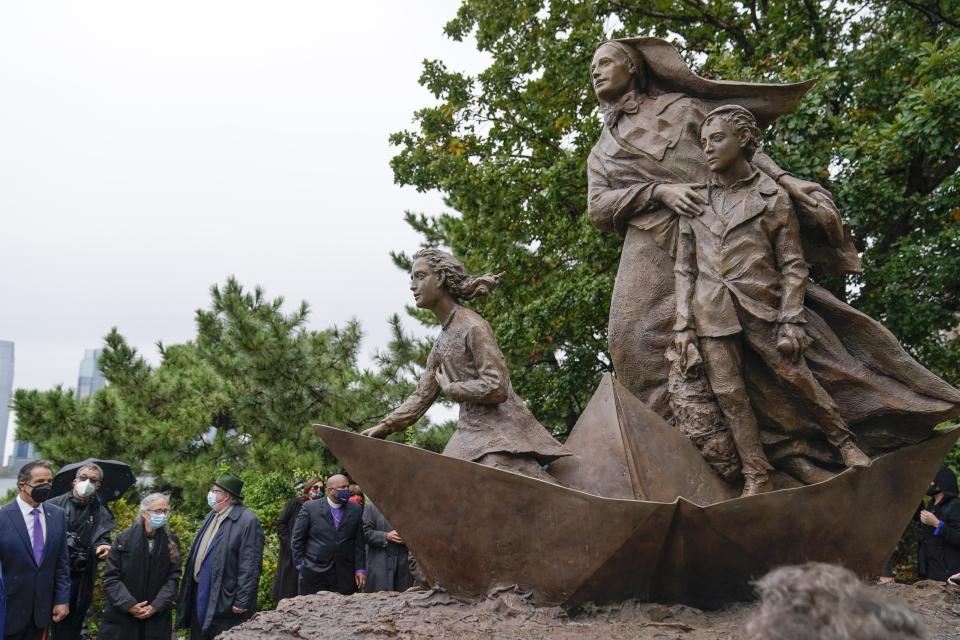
(91,378)
(6,391)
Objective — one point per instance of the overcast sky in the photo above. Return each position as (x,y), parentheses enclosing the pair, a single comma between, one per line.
(150,150)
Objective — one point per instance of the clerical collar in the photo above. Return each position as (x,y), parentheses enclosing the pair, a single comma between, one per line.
(333,505)
(453,312)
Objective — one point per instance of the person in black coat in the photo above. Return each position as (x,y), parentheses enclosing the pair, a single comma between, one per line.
(89,524)
(141,576)
(939,549)
(387,556)
(328,543)
(285,582)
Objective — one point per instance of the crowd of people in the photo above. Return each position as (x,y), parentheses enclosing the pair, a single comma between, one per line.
(331,539)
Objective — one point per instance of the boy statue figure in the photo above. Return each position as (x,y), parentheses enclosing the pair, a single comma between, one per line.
(740,283)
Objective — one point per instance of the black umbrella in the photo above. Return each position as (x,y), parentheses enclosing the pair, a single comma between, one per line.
(117,478)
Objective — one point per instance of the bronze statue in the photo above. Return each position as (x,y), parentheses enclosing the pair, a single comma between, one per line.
(643,172)
(495,427)
(713,312)
(646,173)
(740,282)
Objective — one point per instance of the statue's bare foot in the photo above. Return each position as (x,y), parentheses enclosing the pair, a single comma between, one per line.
(853,456)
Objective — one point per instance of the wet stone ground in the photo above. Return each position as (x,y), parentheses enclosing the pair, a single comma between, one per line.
(508,616)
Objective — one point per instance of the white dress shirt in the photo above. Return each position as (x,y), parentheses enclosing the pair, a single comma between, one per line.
(26,510)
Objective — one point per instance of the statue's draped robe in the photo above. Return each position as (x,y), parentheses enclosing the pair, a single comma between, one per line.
(885,395)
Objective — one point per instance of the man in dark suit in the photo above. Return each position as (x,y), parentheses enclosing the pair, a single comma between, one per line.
(329,547)
(33,553)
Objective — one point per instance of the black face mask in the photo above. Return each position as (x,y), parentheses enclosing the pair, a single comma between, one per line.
(933,490)
(41,492)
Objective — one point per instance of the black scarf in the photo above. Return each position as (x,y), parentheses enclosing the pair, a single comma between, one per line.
(148,569)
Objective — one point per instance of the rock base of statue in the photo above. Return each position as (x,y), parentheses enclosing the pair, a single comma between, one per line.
(648,519)
(508,614)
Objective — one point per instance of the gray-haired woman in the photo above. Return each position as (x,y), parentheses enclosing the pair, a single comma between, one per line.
(141,576)
(495,427)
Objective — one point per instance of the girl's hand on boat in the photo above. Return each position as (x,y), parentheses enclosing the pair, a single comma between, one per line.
(379,431)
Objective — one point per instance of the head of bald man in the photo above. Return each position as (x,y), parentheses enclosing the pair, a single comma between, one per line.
(338,489)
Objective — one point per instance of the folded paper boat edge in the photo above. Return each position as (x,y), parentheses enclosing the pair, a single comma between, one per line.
(473,528)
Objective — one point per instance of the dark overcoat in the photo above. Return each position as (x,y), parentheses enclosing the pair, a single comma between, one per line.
(387,566)
(235,559)
(285,583)
(939,551)
(124,561)
(82,578)
(321,547)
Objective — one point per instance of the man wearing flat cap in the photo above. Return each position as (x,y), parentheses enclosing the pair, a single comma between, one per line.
(222,572)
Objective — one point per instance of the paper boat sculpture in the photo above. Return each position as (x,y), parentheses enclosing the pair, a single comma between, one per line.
(651,522)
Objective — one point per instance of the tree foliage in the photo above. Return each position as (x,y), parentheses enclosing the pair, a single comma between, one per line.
(507,148)
(242,395)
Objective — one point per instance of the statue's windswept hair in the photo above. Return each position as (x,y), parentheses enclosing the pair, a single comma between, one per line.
(741,120)
(456,281)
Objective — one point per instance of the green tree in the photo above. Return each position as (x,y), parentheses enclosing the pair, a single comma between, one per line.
(243,395)
(507,148)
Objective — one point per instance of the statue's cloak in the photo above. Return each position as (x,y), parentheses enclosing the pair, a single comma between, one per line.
(668,73)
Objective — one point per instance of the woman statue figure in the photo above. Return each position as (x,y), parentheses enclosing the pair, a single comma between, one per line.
(644,172)
(495,427)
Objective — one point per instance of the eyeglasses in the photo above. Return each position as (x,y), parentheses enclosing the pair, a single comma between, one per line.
(93,479)
(159,512)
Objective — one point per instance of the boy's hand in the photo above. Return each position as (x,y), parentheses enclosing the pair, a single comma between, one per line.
(682,198)
(681,340)
(792,341)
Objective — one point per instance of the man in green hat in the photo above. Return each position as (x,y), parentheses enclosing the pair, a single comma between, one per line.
(222,572)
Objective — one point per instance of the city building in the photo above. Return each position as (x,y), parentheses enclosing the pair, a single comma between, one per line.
(6,394)
(91,378)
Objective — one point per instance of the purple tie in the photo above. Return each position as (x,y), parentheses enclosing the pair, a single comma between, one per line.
(337,516)
(37,537)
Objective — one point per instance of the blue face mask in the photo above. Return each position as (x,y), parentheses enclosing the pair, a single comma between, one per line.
(212,499)
(158,521)
(343,495)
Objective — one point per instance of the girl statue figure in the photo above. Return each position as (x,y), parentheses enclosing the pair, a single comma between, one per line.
(495,427)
